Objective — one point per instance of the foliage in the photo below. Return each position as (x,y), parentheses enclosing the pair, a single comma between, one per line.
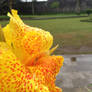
(55,4)
(89,11)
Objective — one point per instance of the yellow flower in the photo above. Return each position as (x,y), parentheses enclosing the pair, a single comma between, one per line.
(25,61)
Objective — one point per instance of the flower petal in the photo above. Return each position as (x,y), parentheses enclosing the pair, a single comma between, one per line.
(26,41)
(15,77)
(46,69)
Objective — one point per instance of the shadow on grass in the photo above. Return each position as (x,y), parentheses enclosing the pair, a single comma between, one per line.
(86,20)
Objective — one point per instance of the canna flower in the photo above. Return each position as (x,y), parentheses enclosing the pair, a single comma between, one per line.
(26,63)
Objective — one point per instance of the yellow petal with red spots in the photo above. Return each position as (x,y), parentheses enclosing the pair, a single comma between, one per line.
(46,69)
(25,61)
(26,41)
(15,77)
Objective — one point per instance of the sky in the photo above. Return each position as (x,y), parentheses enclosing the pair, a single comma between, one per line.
(31,0)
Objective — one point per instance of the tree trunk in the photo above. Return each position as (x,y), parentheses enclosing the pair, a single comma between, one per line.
(32,7)
(10,1)
(78,6)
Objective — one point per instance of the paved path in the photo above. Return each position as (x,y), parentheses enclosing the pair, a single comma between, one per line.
(75,76)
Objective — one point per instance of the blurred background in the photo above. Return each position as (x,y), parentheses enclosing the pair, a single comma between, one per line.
(70,22)
(46,6)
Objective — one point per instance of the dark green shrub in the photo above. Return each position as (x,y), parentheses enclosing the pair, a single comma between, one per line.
(89,11)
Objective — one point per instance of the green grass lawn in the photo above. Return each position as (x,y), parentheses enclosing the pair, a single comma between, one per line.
(53,15)
(68,33)
(49,15)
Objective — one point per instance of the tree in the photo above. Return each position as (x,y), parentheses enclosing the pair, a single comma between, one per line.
(4,6)
(33,6)
(78,6)
(7,5)
(89,11)
(10,4)
(13,2)
(55,5)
